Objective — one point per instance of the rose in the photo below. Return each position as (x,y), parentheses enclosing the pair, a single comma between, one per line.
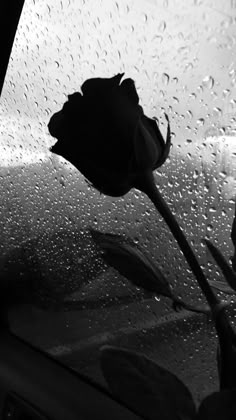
(104,133)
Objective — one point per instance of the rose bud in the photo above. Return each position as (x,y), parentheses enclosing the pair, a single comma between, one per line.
(104,133)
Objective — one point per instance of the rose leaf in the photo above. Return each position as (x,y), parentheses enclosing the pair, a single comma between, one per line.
(145,387)
(218,406)
(229,274)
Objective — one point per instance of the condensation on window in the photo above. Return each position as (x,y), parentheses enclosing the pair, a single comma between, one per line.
(181,56)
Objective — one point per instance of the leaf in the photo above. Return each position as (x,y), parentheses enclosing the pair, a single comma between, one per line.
(222,286)
(226,349)
(145,387)
(129,260)
(233,238)
(218,406)
(229,274)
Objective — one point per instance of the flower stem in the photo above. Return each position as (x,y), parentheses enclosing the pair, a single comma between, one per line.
(146,184)
(226,334)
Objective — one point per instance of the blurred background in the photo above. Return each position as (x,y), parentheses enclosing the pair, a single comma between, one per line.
(181,55)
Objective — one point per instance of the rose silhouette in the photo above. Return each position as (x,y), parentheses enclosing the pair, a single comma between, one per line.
(104,133)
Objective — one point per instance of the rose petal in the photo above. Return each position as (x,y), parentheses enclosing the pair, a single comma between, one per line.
(96,133)
(55,124)
(98,85)
(167,145)
(74,105)
(147,148)
(128,88)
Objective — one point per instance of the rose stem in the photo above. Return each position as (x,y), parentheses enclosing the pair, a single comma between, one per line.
(226,334)
(146,184)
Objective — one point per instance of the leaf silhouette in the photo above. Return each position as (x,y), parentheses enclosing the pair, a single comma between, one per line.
(129,260)
(222,286)
(233,238)
(218,406)
(146,387)
(229,274)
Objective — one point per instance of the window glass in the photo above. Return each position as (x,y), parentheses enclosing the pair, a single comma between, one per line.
(181,56)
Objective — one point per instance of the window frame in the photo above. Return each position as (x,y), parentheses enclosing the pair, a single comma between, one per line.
(10,12)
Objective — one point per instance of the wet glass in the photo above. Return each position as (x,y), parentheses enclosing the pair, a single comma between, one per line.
(62,297)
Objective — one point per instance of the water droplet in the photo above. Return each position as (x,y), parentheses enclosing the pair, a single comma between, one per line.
(208,82)
(232,104)
(212,40)
(62,181)
(200,89)
(189,114)
(175,100)
(232,73)
(226,93)
(175,80)
(233,82)
(201,122)
(158,39)
(189,66)
(145,18)
(162,26)
(217,112)
(223,174)
(195,174)
(193,95)
(165,79)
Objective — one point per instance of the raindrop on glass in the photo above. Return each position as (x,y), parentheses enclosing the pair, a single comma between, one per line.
(162,26)
(217,112)
(208,82)
(201,122)
(165,79)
